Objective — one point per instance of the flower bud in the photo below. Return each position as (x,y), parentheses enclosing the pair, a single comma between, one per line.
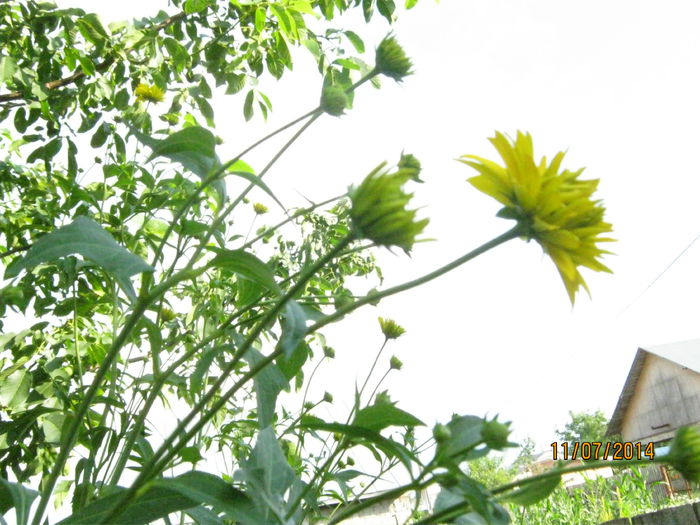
(684,455)
(167,314)
(441,433)
(334,100)
(395,363)
(379,211)
(328,352)
(308,405)
(390,328)
(410,164)
(327,397)
(391,60)
(495,434)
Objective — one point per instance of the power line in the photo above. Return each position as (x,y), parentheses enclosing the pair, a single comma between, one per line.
(658,276)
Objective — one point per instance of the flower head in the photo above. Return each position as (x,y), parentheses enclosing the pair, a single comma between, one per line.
(395,363)
(334,100)
(391,59)
(149,93)
(552,206)
(260,209)
(495,434)
(379,211)
(684,455)
(390,328)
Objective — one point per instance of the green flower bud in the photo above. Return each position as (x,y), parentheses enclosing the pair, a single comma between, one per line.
(495,434)
(395,363)
(328,352)
(350,461)
(410,163)
(441,433)
(391,60)
(327,397)
(308,405)
(379,211)
(684,455)
(334,100)
(390,328)
(167,314)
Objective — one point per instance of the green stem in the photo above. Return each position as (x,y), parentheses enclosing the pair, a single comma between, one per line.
(158,462)
(376,296)
(71,433)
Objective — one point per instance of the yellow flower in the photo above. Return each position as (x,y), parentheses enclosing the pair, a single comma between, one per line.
(149,93)
(552,206)
(260,209)
(390,328)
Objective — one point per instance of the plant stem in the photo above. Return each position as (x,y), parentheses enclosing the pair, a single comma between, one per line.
(71,433)
(158,462)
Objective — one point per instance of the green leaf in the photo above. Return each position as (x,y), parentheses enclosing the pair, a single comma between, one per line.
(411,3)
(203,516)
(155,503)
(87,238)
(100,136)
(267,474)
(286,22)
(382,415)
(260,18)
(8,68)
(209,489)
(192,147)
(269,382)
(293,328)
(529,493)
(86,65)
(235,82)
(356,41)
(248,105)
(465,436)
(386,8)
(195,6)
(248,265)
(363,436)
(190,454)
(14,389)
(15,495)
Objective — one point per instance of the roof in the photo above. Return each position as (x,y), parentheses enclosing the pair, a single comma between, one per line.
(683,353)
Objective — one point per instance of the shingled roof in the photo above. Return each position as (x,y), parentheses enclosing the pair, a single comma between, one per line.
(684,353)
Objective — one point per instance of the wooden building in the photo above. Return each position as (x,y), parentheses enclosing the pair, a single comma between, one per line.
(660,395)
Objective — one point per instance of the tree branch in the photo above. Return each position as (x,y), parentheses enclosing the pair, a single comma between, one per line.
(102,66)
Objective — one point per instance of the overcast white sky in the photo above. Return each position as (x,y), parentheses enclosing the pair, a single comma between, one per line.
(615,83)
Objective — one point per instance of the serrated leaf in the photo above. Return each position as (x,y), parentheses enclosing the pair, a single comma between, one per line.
(382,415)
(87,238)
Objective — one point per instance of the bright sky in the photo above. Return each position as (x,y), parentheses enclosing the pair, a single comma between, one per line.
(615,83)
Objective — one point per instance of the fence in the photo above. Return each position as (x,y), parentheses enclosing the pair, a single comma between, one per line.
(688,514)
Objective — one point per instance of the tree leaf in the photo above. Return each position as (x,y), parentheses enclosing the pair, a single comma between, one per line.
(14,389)
(17,496)
(248,105)
(379,416)
(254,179)
(356,41)
(87,238)
(248,265)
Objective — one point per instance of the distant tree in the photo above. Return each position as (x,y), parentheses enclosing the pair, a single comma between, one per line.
(585,426)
